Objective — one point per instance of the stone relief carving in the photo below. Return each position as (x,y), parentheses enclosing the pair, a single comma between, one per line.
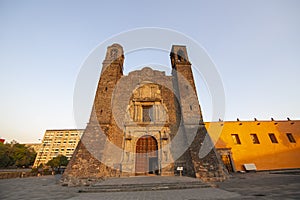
(147,98)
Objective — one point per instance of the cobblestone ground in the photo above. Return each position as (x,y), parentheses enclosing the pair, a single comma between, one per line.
(186,194)
(263,185)
(45,187)
(48,187)
(240,186)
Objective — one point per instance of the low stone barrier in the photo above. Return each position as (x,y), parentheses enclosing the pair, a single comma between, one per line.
(6,175)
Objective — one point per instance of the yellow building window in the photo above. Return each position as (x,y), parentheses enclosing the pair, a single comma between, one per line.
(236,139)
(291,138)
(254,138)
(273,138)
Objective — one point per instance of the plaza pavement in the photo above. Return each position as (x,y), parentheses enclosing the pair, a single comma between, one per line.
(261,185)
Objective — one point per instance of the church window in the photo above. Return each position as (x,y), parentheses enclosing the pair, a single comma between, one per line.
(148,114)
(114,54)
(180,55)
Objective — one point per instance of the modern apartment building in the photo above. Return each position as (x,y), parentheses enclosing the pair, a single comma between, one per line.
(57,142)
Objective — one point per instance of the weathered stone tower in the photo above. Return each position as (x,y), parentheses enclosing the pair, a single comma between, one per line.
(145,123)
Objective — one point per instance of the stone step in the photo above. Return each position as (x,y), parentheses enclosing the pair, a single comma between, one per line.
(144,187)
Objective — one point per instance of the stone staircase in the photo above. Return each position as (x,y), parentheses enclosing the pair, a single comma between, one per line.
(145,184)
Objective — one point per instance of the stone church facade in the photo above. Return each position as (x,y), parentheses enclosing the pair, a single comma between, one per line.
(145,123)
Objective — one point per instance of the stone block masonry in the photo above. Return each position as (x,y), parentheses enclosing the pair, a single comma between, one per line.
(145,123)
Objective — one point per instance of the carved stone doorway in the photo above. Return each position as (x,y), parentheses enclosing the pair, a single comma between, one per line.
(146,161)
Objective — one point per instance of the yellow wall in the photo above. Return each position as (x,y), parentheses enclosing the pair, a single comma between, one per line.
(266,155)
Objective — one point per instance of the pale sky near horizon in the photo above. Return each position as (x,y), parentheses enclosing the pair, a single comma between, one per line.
(255,46)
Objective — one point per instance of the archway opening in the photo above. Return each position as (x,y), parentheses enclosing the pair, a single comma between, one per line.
(146,161)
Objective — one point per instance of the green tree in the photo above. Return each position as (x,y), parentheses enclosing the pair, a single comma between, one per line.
(15,154)
(58,161)
(6,158)
(23,155)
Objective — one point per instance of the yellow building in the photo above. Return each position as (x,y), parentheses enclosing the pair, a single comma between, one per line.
(270,145)
(57,142)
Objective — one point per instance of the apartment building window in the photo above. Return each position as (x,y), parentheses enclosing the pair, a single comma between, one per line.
(291,138)
(254,138)
(273,138)
(236,139)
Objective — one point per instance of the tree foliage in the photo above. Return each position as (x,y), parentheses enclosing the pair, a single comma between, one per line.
(16,155)
(58,161)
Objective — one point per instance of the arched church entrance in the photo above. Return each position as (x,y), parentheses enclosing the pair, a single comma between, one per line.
(146,161)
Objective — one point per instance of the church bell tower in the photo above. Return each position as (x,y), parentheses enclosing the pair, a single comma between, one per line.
(190,120)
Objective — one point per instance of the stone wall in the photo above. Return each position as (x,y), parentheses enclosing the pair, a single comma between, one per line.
(116,123)
(7,175)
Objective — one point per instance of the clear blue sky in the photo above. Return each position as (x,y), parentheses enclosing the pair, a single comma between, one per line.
(254,44)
